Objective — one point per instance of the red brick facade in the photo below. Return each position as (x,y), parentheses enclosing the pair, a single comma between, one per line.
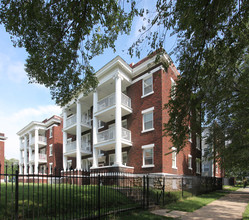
(2,139)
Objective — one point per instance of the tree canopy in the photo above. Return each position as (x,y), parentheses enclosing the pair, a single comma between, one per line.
(61,37)
(212,48)
(212,52)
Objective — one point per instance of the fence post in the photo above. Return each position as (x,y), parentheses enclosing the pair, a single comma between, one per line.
(163,189)
(147,191)
(182,187)
(98,196)
(16,196)
(143,192)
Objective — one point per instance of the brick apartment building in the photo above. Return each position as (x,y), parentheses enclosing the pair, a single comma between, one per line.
(211,167)
(41,146)
(119,126)
(2,140)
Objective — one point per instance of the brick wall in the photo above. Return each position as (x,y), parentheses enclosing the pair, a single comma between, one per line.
(57,141)
(2,157)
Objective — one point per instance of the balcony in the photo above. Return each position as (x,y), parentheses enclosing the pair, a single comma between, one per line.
(106,139)
(42,141)
(42,158)
(71,148)
(71,123)
(106,107)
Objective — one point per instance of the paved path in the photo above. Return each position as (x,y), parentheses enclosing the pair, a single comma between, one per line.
(230,206)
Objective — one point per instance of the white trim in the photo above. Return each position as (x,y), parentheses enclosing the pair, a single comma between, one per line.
(190,167)
(151,129)
(51,145)
(144,95)
(147,74)
(148,166)
(148,146)
(50,168)
(174,152)
(147,110)
(150,93)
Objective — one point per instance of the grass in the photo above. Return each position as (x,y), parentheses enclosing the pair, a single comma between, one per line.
(50,200)
(246,213)
(191,204)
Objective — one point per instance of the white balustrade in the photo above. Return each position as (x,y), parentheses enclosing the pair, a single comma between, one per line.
(71,120)
(126,134)
(71,146)
(86,121)
(125,100)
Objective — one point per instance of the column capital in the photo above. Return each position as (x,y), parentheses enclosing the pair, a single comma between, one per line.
(118,75)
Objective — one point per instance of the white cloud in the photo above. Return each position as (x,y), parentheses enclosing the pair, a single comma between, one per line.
(11,124)
(12,70)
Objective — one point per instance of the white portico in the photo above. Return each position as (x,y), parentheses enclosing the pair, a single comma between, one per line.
(106,105)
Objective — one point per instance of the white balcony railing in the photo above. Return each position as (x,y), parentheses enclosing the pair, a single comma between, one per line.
(126,134)
(41,139)
(71,120)
(71,146)
(125,100)
(41,157)
(106,135)
(110,101)
(109,134)
(86,121)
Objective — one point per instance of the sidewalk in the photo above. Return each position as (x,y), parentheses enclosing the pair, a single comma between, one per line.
(230,206)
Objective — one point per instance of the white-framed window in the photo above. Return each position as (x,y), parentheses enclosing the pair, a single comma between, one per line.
(190,135)
(148,155)
(190,162)
(69,164)
(101,124)
(173,88)
(198,142)
(206,168)
(198,165)
(111,159)
(174,158)
(124,158)
(148,86)
(148,119)
(50,149)
(50,132)
(50,168)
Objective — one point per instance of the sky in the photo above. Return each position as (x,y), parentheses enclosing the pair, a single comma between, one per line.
(22,102)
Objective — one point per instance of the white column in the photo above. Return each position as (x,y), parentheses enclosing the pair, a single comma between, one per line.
(78,136)
(30,149)
(118,121)
(64,139)
(36,151)
(95,129)
(21,159)
(25,154)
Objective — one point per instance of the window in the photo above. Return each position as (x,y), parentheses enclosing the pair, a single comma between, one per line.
(50,132)
(147,86)
(111,159)
(174,158)
(50,149)
(198,165)
(101,124)
(69,164)
(206,168)
(190,135)
(148,155)
(124,158)
(173,88)
(198,143)
(50,168)
(148,120)
(190,162)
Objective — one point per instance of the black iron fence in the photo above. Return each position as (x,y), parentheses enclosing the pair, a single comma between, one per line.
(87,195)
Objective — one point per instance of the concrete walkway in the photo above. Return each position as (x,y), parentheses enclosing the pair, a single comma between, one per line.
(230,206)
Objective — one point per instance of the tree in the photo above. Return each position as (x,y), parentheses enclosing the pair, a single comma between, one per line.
(61,37)
(212,52)
(10,167)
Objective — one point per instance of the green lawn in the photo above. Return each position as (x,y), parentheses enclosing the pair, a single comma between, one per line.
(66,200)
(191,204)
(246,213)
